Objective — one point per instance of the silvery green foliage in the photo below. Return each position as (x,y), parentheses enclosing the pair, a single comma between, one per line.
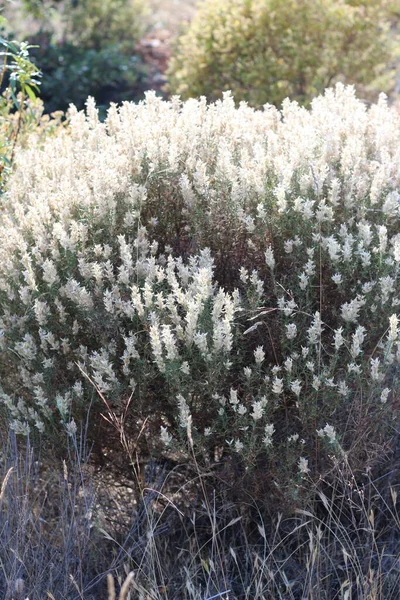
(232,271)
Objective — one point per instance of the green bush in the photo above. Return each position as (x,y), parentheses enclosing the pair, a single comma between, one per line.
(91,23)
(71,73)
(87,47)
(100,23)
(267,50)
(208,276)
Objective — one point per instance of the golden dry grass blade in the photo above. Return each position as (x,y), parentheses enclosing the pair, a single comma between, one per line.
(125,586)
(110,587)
(4,484)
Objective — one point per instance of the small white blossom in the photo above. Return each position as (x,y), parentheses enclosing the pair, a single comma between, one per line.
(288,246)
(393,328)
(258,410)
(169,342)
(259,355)
(50,275)
(350,310)
(343,390)
(396,249)
(329,432)
(185,367)
(296,386)
(277,386)
(357,340)
(291,331)
(314,332)
(269,258)
(387,287)
(376,375)
(288,364)
(244,274)
(303,281)
(339,339)
(368,287)
(185,418)
(238,446)
(333,247)
(268,431)
(384,395)
(337,278)
(165,436)
(233,397)
(303,465)
(71,428)
(316,383)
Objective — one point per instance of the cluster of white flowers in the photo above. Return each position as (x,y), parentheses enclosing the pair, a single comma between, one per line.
(247,258)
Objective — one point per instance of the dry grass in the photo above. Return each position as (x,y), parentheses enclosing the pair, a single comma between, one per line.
(345,545)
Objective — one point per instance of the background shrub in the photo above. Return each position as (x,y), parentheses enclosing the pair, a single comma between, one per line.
(209,275)
(86,47)
(71,73)
(100,23)
(90,23)
(267,50)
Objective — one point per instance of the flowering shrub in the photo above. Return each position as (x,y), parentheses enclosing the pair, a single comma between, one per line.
(229,275)
(267,50)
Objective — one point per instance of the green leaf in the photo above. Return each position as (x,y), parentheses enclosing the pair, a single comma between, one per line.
(30,92)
